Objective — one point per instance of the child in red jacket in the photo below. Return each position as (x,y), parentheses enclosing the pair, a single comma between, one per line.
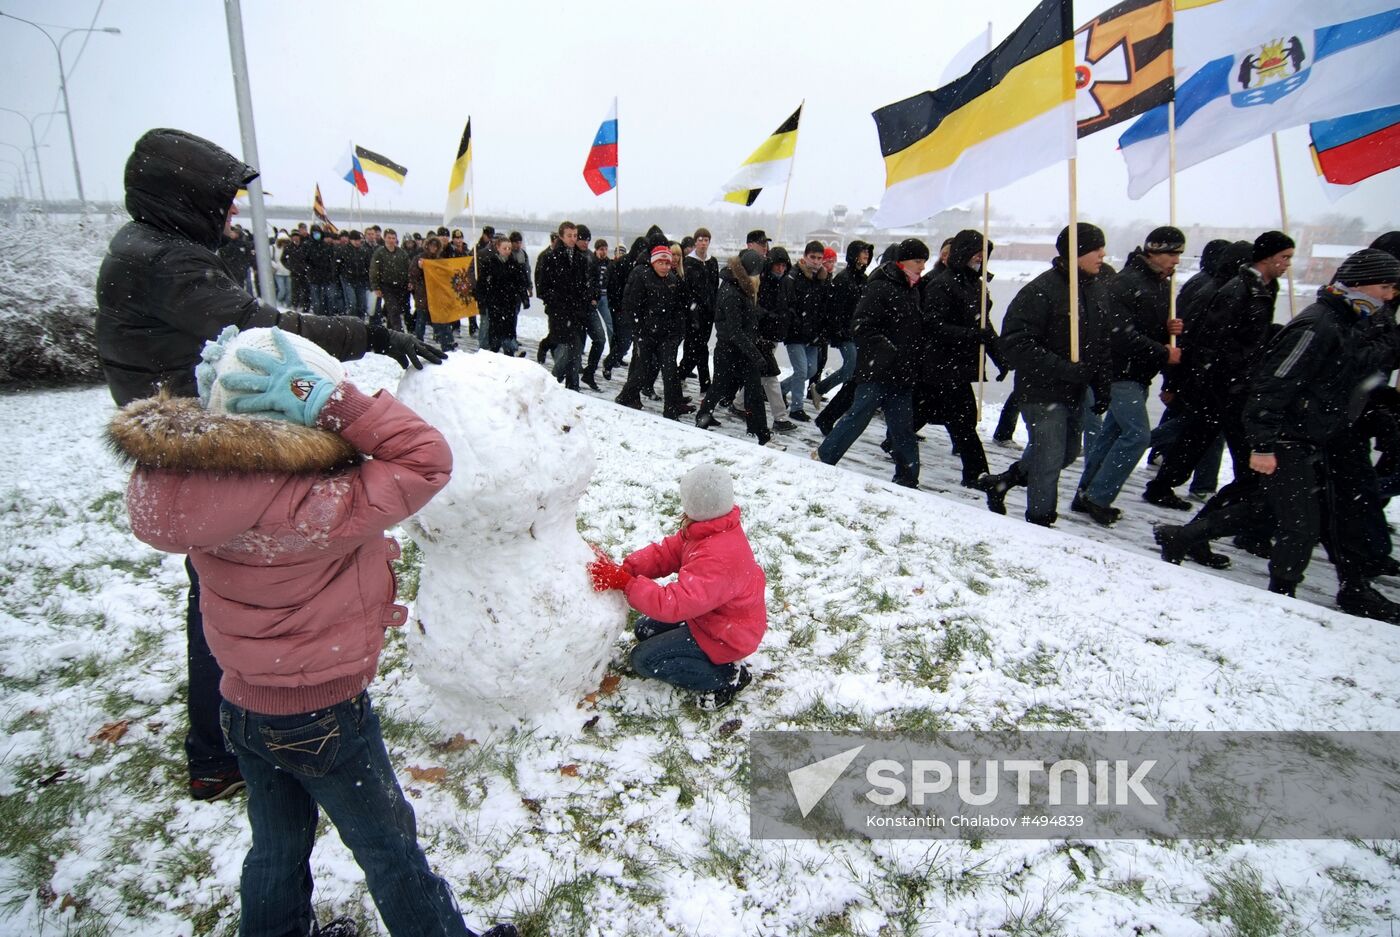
(693,632)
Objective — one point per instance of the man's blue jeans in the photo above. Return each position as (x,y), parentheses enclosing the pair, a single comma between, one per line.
(1119,446)
(333,759)
(282,283)
(804,368)
(1055,431)
(842,374)
(672,656)
(898,405)
(325,299)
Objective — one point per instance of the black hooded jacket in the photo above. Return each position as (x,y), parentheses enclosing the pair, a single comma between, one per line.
(1137,300)
(847,287)
(775,297)
(809,295)
(1035,339)
(889,330)
(736,312)
(162,291)
(658,305)
(1226,340)
(953,316)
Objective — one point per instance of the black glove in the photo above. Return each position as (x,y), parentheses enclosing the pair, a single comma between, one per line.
(1002,375)
(987,335)
(402,347)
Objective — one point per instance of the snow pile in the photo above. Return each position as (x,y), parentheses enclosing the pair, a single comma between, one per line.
(48,274)
(507,627)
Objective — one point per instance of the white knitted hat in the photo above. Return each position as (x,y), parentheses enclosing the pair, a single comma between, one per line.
(220,358)
(707,492)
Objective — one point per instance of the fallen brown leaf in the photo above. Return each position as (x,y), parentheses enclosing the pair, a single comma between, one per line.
(431,775)
(531,804)
(111,732)
(454,744)
(569,771)
(610,684)
(729,728)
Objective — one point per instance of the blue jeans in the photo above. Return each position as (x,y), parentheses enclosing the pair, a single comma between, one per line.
(1055,431)
(1121,442)
(283,284)
(483,325)
(804,367)
(842,374)
(671,655)
(325,298)
(333,759)
(347,299)
(1092,422)
(898,405)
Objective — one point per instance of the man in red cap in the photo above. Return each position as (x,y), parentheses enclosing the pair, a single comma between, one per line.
(656,301)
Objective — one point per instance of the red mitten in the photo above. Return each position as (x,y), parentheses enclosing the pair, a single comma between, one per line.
(608,575)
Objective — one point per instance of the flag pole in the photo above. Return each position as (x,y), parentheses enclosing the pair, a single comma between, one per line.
(782,212)
(1171,188)
(476,249)
(986,256)
(1283,214)
(617,190)
(1072,261)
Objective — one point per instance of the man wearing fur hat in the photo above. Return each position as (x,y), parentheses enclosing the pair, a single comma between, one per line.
(162,292)
(1226,340)
(1050,384)
(1138,298)
(1309,385)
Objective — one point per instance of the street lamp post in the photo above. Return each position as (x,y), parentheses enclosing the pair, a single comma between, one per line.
(24,161)
(63,86)
(19,177)
(34,144)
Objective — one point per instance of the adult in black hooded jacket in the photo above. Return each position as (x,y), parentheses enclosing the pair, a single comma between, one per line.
(656,301)
(889,334)
(738,359)
(162,292)
(952,303)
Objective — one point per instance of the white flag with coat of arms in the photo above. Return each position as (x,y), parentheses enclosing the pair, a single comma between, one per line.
(1294,62)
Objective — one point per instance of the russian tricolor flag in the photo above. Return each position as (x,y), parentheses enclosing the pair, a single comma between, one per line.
(1358,146)
(351,171)
(600,172)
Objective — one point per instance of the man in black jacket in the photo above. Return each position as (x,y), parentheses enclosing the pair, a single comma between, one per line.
(655,299)
(1138,298)
(702,280)
(1224,343)
(563,283)
(1052,385)
(809,291)
(738,359)
(162,292)
(1310,384)
(889,333)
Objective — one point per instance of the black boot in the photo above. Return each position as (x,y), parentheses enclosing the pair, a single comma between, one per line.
(1258,546)
(996,487)
(1171,538)
(1046,521)
(1360,598)
(705,420)
(1284,587)
(1164,497)
(590,381)
(1102,515)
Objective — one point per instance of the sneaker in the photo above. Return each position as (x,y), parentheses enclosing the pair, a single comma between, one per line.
(1008,444)
(738,411)
(1046,521)
(1362,599)
(630,404)
(607,374)
(705,420)
(340,927)
(1286,587)
(217,786)
(1165,498)
(799,416)
(784,426)
(718,699)
(501,930)
(996,487)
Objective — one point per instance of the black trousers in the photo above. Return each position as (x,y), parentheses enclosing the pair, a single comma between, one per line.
(204,743)
(955,406)
(1010,413)
(732,371)
(655,354)
(1354,527)
(1202,426)
(696,355)
(395,308)
(836,407)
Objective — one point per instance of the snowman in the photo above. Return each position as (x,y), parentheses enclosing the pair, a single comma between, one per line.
(508,628)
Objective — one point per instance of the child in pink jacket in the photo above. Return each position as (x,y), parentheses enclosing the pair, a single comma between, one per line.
(263,481)
(694,632)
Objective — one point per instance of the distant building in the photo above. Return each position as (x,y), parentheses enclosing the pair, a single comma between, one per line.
(1323,261)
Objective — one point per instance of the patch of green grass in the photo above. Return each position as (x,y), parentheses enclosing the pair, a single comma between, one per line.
(408,567)
(38,820)
(1039,669)
(563,908)
(918,722)
(680,771)
(845,656)
(1044,714)
(1239,897)
(804,635)
(820,716)
(816,509)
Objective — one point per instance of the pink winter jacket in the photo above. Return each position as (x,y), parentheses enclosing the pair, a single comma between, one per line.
(295,583)
(719,592)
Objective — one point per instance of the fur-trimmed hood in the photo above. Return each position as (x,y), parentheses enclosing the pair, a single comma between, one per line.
(180,435)
(747,285)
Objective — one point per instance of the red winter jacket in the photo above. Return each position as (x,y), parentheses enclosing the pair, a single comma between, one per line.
(287,538)
(719,592)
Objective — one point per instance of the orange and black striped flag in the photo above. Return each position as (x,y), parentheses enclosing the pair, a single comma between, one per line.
(1123,63)
(318,208)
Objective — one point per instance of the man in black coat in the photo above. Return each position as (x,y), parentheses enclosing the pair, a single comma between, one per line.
(1138,300)
(294,259)
(702,279)
(656,300)
(237,254)
(889,334)
(1310,384)
(809,292)
(1224,343)
(162,292)
(955,336)
(563,283)
(321,272)
(738,359)
(1052,385)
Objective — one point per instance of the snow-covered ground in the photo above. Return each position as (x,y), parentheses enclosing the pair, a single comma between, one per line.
(627,815)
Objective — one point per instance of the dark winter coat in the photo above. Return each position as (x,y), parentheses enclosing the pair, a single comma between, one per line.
(809,296)
(320,255)
(702,280)
(501,283)
(1137,298)
(238,255)
(952,302)
(736,312)
(294,259)
(1227,339)
(355,264)
(563,280)
(1035,339)
(774,297)
(889,330)
(847,287)
(1201,288)
(1313,379)
(162,292)
(389,270)
(657,305)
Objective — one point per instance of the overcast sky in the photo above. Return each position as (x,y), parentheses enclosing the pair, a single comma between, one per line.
(700,86)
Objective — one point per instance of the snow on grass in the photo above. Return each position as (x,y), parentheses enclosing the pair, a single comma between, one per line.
(889,609)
